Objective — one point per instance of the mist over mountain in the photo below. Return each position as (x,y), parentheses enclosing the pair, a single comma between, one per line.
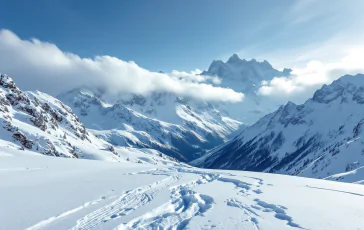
(320,138)
(246,77)
(181,127)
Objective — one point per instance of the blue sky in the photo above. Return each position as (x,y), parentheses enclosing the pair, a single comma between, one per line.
(183,35)
(91,42)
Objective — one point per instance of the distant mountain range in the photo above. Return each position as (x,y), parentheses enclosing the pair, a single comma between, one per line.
(40,123)
(320,138)
(176,126)
(183,128)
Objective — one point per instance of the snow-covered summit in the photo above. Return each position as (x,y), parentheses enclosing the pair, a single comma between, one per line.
(243,70)
(345,86)
(320,138)
(245,76)
(38,122)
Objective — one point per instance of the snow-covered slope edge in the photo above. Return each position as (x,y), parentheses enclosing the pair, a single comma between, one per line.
(321,138)
(40,123)
(80,194)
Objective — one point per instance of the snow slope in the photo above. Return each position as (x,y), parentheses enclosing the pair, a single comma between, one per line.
(41,192)
(40,123)
(183,128)
(321,138)
(176,126)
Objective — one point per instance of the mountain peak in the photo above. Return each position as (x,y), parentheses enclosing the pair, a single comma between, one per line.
(357,80)
(216,64)
(233,58)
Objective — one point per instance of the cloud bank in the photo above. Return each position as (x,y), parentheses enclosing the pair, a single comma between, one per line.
(38,65)
(304,81)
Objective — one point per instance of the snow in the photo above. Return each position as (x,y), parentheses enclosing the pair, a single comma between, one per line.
(40,123)
(321,138)
(246,77)
(152,122)
(42,192)
(131,186)
(353,176)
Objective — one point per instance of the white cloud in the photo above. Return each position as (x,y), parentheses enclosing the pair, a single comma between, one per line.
(43,66)
(194,76)
(303,81)
(323,59)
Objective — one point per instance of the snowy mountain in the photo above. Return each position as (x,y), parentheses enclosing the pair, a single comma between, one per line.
(246,77)
(242,75)
(321,138)
(180,127)
(84,194)
(144,189)
(176,126)
(40,123)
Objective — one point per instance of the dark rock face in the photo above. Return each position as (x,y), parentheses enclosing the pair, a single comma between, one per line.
(37,113)
(19,136)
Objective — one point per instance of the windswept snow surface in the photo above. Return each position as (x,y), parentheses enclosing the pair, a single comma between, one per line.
(42,192)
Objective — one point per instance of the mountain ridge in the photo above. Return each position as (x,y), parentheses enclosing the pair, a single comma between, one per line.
(178,127)
(38,122)
(246,77)
(302,139)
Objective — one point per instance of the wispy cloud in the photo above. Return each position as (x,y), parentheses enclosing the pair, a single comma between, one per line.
(303,11)
(339,50)
(305,80)
(35,64)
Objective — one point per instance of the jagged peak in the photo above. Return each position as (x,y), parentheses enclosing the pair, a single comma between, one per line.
(214,64)
(234,58)
(290,103)
(357,80)
(338,88)
(235,61)
(6,81)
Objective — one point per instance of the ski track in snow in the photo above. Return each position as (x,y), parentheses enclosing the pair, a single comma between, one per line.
(253,216)
(260,181)
(279,211)
(176,214)
(53,219)
(125,204)
(184,204)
